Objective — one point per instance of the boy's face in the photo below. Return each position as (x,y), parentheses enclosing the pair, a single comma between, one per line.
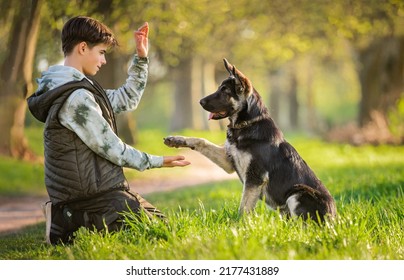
(93,59)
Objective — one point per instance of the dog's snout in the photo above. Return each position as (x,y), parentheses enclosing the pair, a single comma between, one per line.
(202,102)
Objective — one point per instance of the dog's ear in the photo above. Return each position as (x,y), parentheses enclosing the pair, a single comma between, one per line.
(239,76)
(241,81)
(232,71)
(228,67)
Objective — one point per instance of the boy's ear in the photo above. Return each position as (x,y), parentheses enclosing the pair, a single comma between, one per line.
(81,47)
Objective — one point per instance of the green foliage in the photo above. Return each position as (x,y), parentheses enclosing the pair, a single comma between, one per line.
(277,30)
(367,183)
(396,119)
(259,36)
(21,178)
(155,107)
(35,136)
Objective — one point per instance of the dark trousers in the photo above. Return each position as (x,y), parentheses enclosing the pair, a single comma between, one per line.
(99,213)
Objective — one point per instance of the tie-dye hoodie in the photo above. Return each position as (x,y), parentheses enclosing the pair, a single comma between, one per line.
(82,115)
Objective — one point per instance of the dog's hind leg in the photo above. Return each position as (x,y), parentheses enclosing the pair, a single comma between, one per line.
(310,203)
(215,153)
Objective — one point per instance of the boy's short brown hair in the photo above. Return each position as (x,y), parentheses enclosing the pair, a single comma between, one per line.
(85,29)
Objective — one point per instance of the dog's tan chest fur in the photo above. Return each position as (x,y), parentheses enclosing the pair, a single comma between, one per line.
(241,160)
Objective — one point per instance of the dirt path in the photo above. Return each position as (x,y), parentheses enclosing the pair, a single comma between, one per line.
(16,213)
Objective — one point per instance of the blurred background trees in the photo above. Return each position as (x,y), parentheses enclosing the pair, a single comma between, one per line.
(20,25)
(318,64)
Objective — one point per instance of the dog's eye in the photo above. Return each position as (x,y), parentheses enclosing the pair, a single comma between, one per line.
(240,89)
(223,88)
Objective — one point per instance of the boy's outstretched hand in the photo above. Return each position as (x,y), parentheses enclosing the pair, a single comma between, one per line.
(173,161)
(142,40)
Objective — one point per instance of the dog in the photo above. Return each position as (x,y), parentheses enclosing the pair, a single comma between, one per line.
(268,166)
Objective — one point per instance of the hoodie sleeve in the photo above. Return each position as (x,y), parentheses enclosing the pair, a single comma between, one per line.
(82,115)
(128,96)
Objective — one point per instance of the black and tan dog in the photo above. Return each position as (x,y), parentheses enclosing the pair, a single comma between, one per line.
(268,166)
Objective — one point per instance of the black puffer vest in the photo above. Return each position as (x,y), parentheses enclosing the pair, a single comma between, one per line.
(73,172)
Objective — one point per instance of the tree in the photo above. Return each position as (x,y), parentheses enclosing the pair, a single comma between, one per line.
(16,74)
(374,28)
(190,37)
(381,77)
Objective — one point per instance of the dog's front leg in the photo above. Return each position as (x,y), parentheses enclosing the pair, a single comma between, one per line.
(251,194)
(215,153)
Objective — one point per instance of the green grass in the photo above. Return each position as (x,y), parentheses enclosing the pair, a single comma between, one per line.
(21,177)
(367,183)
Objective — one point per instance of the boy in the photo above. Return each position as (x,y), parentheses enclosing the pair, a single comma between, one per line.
(84,157)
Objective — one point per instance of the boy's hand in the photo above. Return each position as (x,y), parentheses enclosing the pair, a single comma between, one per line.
(173,161)
(142,40)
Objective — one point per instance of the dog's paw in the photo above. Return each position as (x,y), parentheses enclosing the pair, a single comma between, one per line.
(175,142)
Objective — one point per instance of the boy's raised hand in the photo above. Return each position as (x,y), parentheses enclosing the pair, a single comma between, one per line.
(142,40)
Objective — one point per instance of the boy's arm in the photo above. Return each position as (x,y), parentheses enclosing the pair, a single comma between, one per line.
(82,115)
(128,96)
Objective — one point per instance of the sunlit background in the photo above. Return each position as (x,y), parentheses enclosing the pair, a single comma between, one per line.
(329,68)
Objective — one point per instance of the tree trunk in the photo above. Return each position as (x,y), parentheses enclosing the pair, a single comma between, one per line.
(208,87)
(16,77)
(293,101)
(381,76)
(275,95)
(310,100)
(181,117)
(283,103)
(187,113)
(197,93)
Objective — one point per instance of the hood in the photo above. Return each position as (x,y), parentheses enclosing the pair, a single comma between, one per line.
(40,102)
(58,75)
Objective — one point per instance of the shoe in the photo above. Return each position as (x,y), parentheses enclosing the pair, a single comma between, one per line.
(46,209)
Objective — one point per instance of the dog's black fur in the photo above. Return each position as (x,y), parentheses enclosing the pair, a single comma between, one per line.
(268,166)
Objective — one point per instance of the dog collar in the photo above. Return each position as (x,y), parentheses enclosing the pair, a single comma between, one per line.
(248,123)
